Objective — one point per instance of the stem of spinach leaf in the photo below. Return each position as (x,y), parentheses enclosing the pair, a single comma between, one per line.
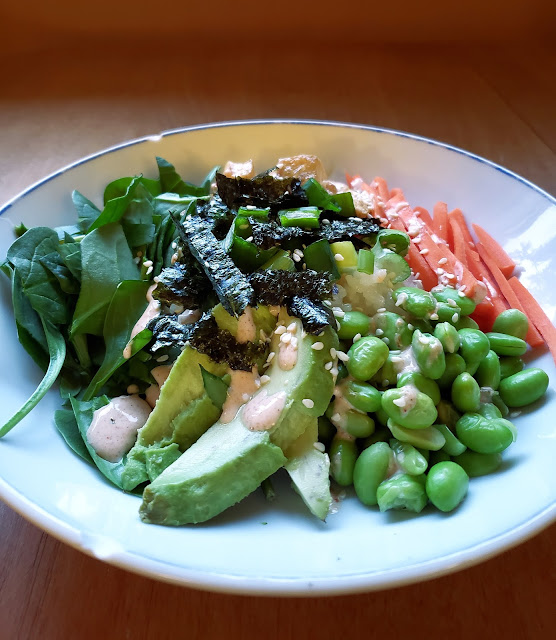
(57,351)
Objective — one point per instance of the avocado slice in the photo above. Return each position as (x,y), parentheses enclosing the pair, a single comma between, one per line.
(230,460)
(182,414)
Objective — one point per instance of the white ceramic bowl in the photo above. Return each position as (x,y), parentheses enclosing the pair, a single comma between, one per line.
(279,548)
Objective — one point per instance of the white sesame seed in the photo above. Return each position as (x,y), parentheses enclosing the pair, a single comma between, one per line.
(332,352)
(410,326)
(342,356)
(434,316)
(292,327)
(317,346)
(336,418)
(396,359)
(149,271)
(423,340)
(443,261)
(338,313)
(265,379)
(455,317)
(328,366)
(452,302)
(308,403)
(460,292)
(258,383)
(174,245)
(249,239)
(379,332)
(334,371)
(285,337)
(356,337)
(319,446)
(440,271)
(381,310)
(270,356)
(162,358)
(293,342)
(245,397)
(399,402)
(296,258)
(338,257)
(424,252)
(327,303)
(137,260)
(280,329)
(386,340)
(148,263)
(450,276)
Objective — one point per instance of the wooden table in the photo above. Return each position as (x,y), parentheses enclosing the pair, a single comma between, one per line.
(59,106)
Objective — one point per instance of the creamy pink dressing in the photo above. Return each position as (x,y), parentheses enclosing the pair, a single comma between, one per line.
(246,329)
(287,356)
(113,430)
(161,373)
(152,310)
(242,387)
(263,411)
(152,394)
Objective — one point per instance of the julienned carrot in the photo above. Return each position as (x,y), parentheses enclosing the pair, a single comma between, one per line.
(440,220)
(420,266)
(500,257)
(535,314)
(457,215)
(424,215)
(534,338)
(382,188)
(458,242)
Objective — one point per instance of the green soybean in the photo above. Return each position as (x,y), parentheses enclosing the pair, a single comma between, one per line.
(448,336)
(465,323)
(429,438)
(466,305)
(455,365)
(446,485)
(473,348)
(466,393)
(429,354)
(408,458)
(381,434)
(452,446)
(447,312)
(425,385)
(370,470)
(485,435)
(489,411)
(488,371)
(402,492)
(326,430)
(343,454)
(500,404)
(358,425)
(366,357)
(353,323)
(388,373)
(362,396)
(506,345)
(512,322)
(392,327)
(510,365)
(524,387)
(409,407)
(415,301)
(478,464)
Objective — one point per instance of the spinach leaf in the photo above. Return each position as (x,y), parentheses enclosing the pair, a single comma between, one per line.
(171,181)
(166,202)
(118,188)
(127,304)
(71,255)
(66,423)
(106,261)
(137,219)
(87,211)
(84,416)
(57,351)
(115,208)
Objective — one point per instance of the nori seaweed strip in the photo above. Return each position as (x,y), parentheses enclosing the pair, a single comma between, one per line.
(314,316)
(184,283)
(270,234)
(217,214)
(231,286)
(277,287)
(261,191)
(205,336)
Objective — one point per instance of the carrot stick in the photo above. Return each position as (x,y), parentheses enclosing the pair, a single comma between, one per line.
(536,315)
(420,266)
(458,241)
(440,220)
(456,214)
(533,337)
(500,257)
(382,188)
(424,215)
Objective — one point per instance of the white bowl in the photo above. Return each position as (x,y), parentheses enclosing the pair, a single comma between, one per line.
(279,548)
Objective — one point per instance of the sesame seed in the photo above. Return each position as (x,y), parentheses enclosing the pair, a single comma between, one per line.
(381,310)
(399,402)
(460,292)
(317,346)
(334,371)
(293,342)
(258,383)
(174,245)
(265,379)
(149,270)
(396,359)
(410,326)
(249,239)
(424,252)
(356,337)
(423,340)
(319,447)
(338,313)
(162,358)
(245,397)
(434,316)
(336,418)
(386,340)
(452,302)
(332,352)
(270,356)
(285,337)
(280,329)
(379,332)
(440,271)
(308,403)
(342,356)
(292,327)
(455,317)
(338,257)
(328,366)
(296,258)
(443,261)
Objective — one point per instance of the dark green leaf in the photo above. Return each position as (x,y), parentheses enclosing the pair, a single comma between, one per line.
(66,424)
(171,181)
(87,211)
(118,188)
(114,209)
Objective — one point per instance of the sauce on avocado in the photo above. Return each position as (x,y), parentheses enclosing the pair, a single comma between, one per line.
(263,411)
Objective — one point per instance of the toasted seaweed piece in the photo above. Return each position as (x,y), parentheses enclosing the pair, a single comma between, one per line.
(231,286)
(217,214)
(263,190)
(314,315)
(271,234)
(277,287)
(183,283)
(205,336)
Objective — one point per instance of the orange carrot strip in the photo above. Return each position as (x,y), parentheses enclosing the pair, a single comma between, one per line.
(487,311)
(536,314)
(424,215)
(382,188)
(395,192)
(500,257)
(456,214)
(458,242)
(533,337)
(420,266)
(440,220)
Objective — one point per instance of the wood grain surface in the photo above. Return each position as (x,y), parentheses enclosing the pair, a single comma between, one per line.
(60,105)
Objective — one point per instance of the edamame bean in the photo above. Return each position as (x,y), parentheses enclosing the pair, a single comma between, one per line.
(388,373)
(524,387)
(455,365)
(466,305)
(429,438)
(448,336)
(402,492)
(366,357)
(362,396)
(452,446)
(505,345)
(326,430)
(409,407)
(489,410)
(409,459)
(358,425)
(415,301)
(425,385)
(381,434)
(392,327)
(510,365)
(485,435)
(478,464)
(353,323)
(446,485)
(343,454)
(473,348)
(512,322)
(370,470)
(465,323)
(429,354)
(488,371)
(500,404)
(466,393)
(447,312)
